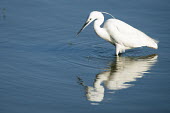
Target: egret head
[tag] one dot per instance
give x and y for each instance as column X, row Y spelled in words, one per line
column 93, row 16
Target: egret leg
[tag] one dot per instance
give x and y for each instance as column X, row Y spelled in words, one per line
column 117, row 49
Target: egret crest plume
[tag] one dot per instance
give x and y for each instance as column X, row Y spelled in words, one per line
column 108, row 14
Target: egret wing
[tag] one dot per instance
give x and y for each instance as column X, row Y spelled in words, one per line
column 128, row 36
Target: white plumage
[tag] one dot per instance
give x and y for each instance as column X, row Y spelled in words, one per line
column 119, row 33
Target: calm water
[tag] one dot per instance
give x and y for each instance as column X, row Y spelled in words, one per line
column 45, row 68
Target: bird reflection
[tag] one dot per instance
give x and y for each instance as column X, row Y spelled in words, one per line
column 123, row 70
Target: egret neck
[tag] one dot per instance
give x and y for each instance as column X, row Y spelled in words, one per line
column 101, row 32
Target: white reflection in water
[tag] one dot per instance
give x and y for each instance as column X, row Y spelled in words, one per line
column 122, row 71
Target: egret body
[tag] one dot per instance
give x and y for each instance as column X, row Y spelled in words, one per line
column 119, row 33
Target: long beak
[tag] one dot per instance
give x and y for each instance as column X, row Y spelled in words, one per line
column 84, row 26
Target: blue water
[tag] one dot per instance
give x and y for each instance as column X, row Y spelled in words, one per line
column 45, row 68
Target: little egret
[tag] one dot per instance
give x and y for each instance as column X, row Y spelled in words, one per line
column 119, row 33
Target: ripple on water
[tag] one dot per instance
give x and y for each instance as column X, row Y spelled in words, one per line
column 87, row 53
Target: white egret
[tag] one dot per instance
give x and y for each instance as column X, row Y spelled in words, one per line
column 119, row 33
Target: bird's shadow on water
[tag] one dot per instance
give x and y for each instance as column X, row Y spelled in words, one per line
column 120, row 75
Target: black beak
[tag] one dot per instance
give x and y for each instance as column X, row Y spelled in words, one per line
column 82, row 27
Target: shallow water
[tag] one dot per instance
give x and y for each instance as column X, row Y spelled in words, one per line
column 46, row 68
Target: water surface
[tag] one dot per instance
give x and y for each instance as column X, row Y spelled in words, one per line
column 45, row 68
